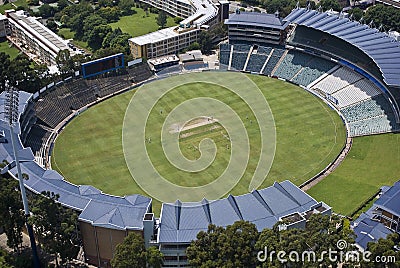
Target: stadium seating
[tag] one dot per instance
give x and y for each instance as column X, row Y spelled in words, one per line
column 380, row 124
column 224, row 54
column 195, row 65
column 273, row 60
column 38, row 135
column 312, row 71
column 360, row 90
column 139, row 73
column 373, row 107
column 339, row 79
column 292, row 63
column 239, row 56
column 257, row 59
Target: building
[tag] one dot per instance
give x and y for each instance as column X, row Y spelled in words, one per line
column 4, row 26
column 393, row 3
column 181, row 222
column 104, row 220
column 34, row 39
column 163, row 42
column 381, row 219
column 198, row 15
column 254, row 27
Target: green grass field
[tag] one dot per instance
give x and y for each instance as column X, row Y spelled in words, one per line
column 66, row 33
column 5, row 47
column 11, row 6
column 309, row 136
column 372, row 162
column 140, row 24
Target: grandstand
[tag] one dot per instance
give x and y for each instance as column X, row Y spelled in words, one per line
column 257, row 58
column 59, row 102
column 346, row 89
column 272, row 61
column 239, row 57
column 344, row 62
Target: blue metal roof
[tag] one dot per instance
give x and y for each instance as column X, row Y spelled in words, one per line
column 96, row 207
column 368, row 230
column 181, row 222
column 361, row 36
column 390, row 200
column 257, row 19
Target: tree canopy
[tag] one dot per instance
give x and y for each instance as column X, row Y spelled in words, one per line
column 132, row 253
column 55, row 227
column 240, row 244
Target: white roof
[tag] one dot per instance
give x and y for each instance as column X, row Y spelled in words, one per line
column 155, row 37
column 205, row 11
column 33, row 28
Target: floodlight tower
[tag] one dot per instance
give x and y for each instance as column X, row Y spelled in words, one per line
column 11, row 111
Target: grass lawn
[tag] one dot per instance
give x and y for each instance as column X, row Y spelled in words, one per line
column 11, row 6
column 140, row 24
column 66, row 33
column 372, row 162
column 309, row 136
column 5, row 47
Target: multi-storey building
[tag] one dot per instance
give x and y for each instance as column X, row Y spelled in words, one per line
column 198, row 15
column 253, row 27
column 381, row 219
column 180, row 222
column 34, row 39
column 4, row 26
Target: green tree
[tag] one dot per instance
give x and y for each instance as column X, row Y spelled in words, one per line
column 330, row 4
column 177, row 20
column 130, row 253
column 230, row 247
column 97, row 35
column 388, row 16
column 46, row 11
column 126, row 7
column 204, row 251
column 64, row 63
column 357, row 13
column 55, row 227
column 52, row 25
column 5, row 60
column 205, row 41
column 110, row 14
column 237, row 249
column 162, row 19
column 23, row 74
column 384, row 247
column 154, row 257
column 12, row 218
column 61, row 4
column 322, row 233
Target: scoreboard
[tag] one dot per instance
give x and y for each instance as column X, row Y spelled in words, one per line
column 102, row 65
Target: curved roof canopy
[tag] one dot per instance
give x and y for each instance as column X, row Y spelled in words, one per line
column 382, row 49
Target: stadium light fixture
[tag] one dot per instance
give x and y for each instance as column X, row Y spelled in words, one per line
column 11, row 114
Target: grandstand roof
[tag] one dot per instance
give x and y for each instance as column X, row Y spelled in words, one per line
column 180, row 222
column 390, row 200
column 382, row 49
column 257, row 19
column 96, row 207
column 368, row 230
